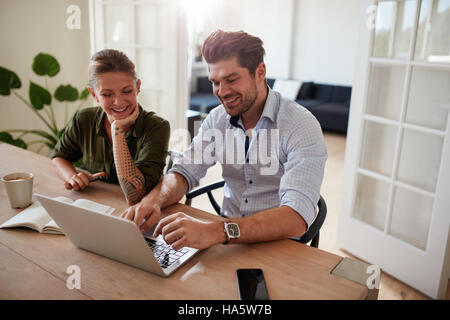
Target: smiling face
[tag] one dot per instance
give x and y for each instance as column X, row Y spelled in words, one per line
column 234, row 86
column 116, row 92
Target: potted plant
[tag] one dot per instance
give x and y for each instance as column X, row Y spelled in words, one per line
column 40, row 101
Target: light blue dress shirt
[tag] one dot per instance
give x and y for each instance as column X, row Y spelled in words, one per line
column 284, row 164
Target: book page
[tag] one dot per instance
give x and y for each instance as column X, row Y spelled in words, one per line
column 63, row 199
column 34, row 217
column 94, row 206
column 52, row 228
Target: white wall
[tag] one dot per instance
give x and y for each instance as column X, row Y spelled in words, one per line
column 304, row 39
column 326, row 40
column 269, row 20
column 28, row 27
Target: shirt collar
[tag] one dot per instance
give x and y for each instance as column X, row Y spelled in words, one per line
column 271, row 106
column 270, row 109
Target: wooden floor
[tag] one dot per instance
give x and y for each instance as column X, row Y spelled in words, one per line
column 390, row 288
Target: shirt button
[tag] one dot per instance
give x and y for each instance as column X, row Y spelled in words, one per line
column 246, row 201
column 250, row 182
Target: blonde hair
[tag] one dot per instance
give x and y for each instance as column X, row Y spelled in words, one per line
column 109, row 60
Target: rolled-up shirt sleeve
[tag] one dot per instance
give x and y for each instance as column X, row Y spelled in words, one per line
column 195, row 162
column 68, row 146
column 303, row 170
column 151, row 158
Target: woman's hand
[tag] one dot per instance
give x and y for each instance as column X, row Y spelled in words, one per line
column 81, row 180
column 125, row 124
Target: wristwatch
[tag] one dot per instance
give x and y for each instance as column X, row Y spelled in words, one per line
column 231, row 230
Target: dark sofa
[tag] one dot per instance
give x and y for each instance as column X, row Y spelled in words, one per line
column 328, row 103
column 204, row 100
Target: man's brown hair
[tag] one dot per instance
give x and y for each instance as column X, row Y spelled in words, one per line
column 224, row 45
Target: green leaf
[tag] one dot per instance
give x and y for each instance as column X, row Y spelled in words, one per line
column 84, row 94
column 45, row 64
column 45, row 135
column 39, row 96
column 8, row 80
column 20, row 143
column 66, row 93
column 6, row 137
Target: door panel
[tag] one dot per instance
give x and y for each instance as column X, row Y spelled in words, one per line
column 395, row 211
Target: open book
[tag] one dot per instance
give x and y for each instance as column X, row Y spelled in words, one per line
column 37, row 218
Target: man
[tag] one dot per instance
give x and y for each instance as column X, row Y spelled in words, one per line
column 262, row 202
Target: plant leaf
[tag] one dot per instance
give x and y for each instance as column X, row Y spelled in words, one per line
column 45, row 135
column 8, row 80
column 45, row 64
column 20, row 143
column 39, row 96
column 50, row 145
column 84, row 94
column 66, row 93
column 6, row 137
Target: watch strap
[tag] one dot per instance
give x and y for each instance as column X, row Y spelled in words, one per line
column 226, row 233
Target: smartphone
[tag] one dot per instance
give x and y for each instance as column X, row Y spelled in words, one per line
column 252, row 285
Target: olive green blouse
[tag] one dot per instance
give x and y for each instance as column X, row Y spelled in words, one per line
column 86, row 138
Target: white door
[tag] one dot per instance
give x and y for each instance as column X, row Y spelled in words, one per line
column 396, row 194
column 153, row 34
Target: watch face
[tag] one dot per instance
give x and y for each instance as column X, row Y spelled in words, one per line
column 233, row 230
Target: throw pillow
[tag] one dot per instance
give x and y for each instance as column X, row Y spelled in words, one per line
column 287, row 88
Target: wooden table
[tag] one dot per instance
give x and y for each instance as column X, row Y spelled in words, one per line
column 33, row 265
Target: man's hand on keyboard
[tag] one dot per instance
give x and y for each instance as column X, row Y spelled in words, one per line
column 181, row 230
column 140, row 211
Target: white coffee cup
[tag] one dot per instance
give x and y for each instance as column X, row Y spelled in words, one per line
column 19, row 188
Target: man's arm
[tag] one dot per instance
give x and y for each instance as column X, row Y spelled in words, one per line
column 169, row 190
column 181, row 230
column 272, row 224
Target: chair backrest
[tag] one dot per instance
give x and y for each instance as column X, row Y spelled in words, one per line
column 313, row 232
column 172, row 156
column 311, row 235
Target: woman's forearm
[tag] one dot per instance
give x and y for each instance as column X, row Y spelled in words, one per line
column 131, row 180
column 64, row 168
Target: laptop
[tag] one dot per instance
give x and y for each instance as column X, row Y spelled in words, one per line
column 116, row 238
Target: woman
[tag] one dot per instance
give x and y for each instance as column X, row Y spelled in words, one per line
column 118, row 141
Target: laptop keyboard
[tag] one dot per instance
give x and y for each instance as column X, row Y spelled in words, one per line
column 164, row 253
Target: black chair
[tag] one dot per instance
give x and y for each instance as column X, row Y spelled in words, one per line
column 312, row 235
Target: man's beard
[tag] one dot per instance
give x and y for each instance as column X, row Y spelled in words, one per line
column 248, row 102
